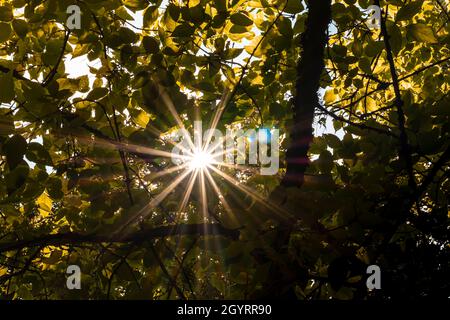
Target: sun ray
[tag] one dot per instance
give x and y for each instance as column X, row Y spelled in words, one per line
column 158, row 133
column 217, row 115
column 224, row 152
column 169, row 104
column 229, row 165
column 200, row 160
column 221, row 197
column 188, row 191
column 283, row 213
column 164, row 172
column 184, row 202
column 203, row 195
column 131, row 148
column 254, row 170
column 145, row 211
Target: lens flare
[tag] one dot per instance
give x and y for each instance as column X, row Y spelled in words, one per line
column 200, row 160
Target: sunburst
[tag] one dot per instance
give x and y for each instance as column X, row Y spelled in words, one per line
column 201, row 162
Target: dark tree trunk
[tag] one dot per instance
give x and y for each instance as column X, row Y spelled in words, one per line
column 309, row 70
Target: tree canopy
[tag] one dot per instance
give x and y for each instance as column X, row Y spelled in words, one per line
column 85, row 171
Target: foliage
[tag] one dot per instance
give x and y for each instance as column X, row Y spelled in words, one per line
column 376, row 190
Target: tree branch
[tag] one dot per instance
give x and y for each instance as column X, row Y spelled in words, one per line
column 53, row 72
column 445, row 157
column 405, row 148
column 309, row 71
column 172, row 281
column 139, row 236
column 356, row 124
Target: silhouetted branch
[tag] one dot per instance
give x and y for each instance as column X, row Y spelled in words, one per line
column 445, row 157
column 53, row 72
column 356, row 124
column 405, row 148
column 139, row 236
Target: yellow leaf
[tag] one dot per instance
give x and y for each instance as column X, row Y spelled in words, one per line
column 45, row 204
column 43, row 213
column 371, row 104
column 251, row 47
column 257, row 80
column 142, row 119
column 329, row 96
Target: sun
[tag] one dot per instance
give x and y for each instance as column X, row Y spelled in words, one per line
column 200, row 160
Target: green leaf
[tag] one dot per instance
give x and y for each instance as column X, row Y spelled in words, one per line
column 54, row 188
column 127, row 35
column 333, row 141
column 123, row 13
column 408, row 11
column 241, row 19
column 217, row 282
column 150, row 16
column 83, row 83
column 33, row 92
column 196, row 14
column 325, row 161
column 232, row 53
column 135, row 4
column 421, row 32
column 16, row 178
column 52, row 52
column 38, row 154
column 183, row 30
column 293, row 6
column 285, row 27
column 151, row 45
column 6, row 13
column 20, row 27
column 97, row 94
column 174, row 11
column 373, row 48
column 219, row 20
column 54, row 258
column 14, row 149
column 6, row 87
column 238, row 29
column 19, row 3
column 205, row 86
column 395, row 35
column 5, row 31
column 6, row 125
column 221, row 5
column 365, row 65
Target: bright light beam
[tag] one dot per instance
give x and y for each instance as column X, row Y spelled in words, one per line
column 283, row 213
column 146, row 210
column 200, row 160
